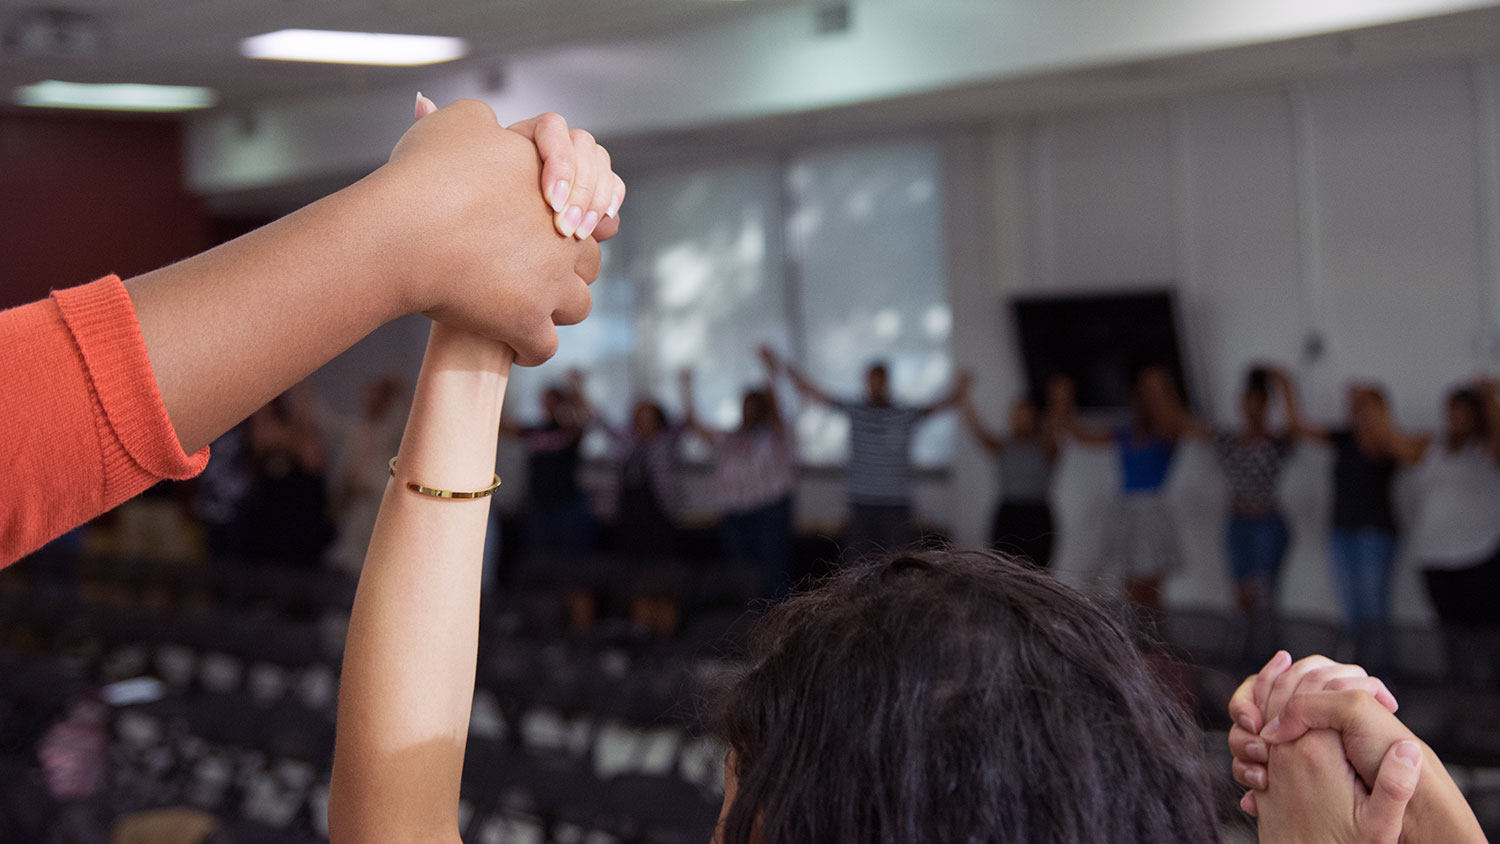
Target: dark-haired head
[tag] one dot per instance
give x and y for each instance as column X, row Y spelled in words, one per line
column 878, row 383
column 1155, row 399
column 1467, row 422
column 648, row 419
column 1255, row 399
column 757, row 408
column 955, row 697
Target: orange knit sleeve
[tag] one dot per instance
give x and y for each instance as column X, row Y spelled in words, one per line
column 82, row 427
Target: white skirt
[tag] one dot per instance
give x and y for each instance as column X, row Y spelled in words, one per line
column 1141, row 540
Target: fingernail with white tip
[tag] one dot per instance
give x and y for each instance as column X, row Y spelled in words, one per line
column 559, row 196
column 568, row 221
column 586, row 228
column 614, row 206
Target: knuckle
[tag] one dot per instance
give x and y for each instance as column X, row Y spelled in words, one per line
column 581, row 136
column 551, row 120
column 473, row 108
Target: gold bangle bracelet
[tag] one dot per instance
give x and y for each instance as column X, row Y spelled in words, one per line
column 448, row 493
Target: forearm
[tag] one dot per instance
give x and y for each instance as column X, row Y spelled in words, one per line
column 1438, row 812
column 231, row 328
column 804, row 386
column 408, row 675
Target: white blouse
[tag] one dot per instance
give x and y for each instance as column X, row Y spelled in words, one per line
column 1458, row 516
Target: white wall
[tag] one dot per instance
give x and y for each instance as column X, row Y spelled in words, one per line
column 1359, row 209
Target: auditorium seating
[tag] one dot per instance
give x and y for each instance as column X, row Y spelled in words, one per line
column 577, row 738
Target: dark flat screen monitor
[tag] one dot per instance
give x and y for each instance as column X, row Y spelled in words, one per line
column 1100, row 341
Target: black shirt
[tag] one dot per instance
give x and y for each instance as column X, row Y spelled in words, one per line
column 1361, row 486
column 552, row 462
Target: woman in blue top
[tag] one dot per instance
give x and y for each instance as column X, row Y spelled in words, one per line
column 1141, row 543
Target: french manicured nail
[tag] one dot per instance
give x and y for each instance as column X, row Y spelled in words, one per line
column 568, row 222
column 1247, row 724
column 1409, row 753
column 1270, row 729
column 1257, row 778
column 1256, row 750
column 614, row 206
column 560, row 190
column 586, row 228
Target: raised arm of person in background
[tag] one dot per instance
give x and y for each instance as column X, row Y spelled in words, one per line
column 408, row 672
column 1062, row 416
column 992, row 441
column 1403, row 447
column 956, row 396
column 691, row 424
column 1279, row 706
column 109, row 388
column 1296, row 424
column 776, row 366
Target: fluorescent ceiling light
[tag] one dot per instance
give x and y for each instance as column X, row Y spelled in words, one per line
column 115, row 97
column 320, row 45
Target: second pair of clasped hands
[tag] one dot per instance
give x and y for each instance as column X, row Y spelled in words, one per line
column 1327, row 761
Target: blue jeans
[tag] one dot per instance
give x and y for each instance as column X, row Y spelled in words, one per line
column 1257, row 545
column 1362, row 563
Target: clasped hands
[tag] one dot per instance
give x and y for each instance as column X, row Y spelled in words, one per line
column 489, row 229
column 1326, row 760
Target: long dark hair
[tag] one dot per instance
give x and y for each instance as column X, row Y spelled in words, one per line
column 944, row 696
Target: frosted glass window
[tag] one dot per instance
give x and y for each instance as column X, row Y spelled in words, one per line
column 707, row 255
column 866, row 227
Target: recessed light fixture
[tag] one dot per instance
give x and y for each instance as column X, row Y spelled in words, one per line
column 115, row 96
column 383, row 48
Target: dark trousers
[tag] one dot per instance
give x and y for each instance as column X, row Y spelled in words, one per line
column 761, row 537
column 1023, row 529
column 1467, row 597
column 877, row 527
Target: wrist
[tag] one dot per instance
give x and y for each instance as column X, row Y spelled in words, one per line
column 400, row 270
column 1438, row 812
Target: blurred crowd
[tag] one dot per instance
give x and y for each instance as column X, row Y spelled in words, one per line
column 276, row 492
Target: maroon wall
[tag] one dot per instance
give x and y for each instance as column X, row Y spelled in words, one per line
column 84, row 196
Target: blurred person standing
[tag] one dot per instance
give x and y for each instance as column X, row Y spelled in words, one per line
column 754, row 473
column 363, row 474
column 1252, row 460
column 1022, row 525
column 1368, row 451
column 1142, row 544
column 220, row 493
column 1456, row 536
column 648, row 502
column 286, row 515
column 879, row 473
column 557, row 509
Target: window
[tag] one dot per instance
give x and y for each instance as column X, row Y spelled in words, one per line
column 866, row 229
column 699, row 280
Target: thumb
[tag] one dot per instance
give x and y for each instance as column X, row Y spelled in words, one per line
column 1381, row 816
column 424, row 106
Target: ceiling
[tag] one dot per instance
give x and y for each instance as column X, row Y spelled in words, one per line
column 195, row 42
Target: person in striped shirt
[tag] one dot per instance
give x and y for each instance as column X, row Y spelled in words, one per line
column 879, row 476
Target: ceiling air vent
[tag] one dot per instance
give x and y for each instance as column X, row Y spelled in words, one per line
column 51, row 33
